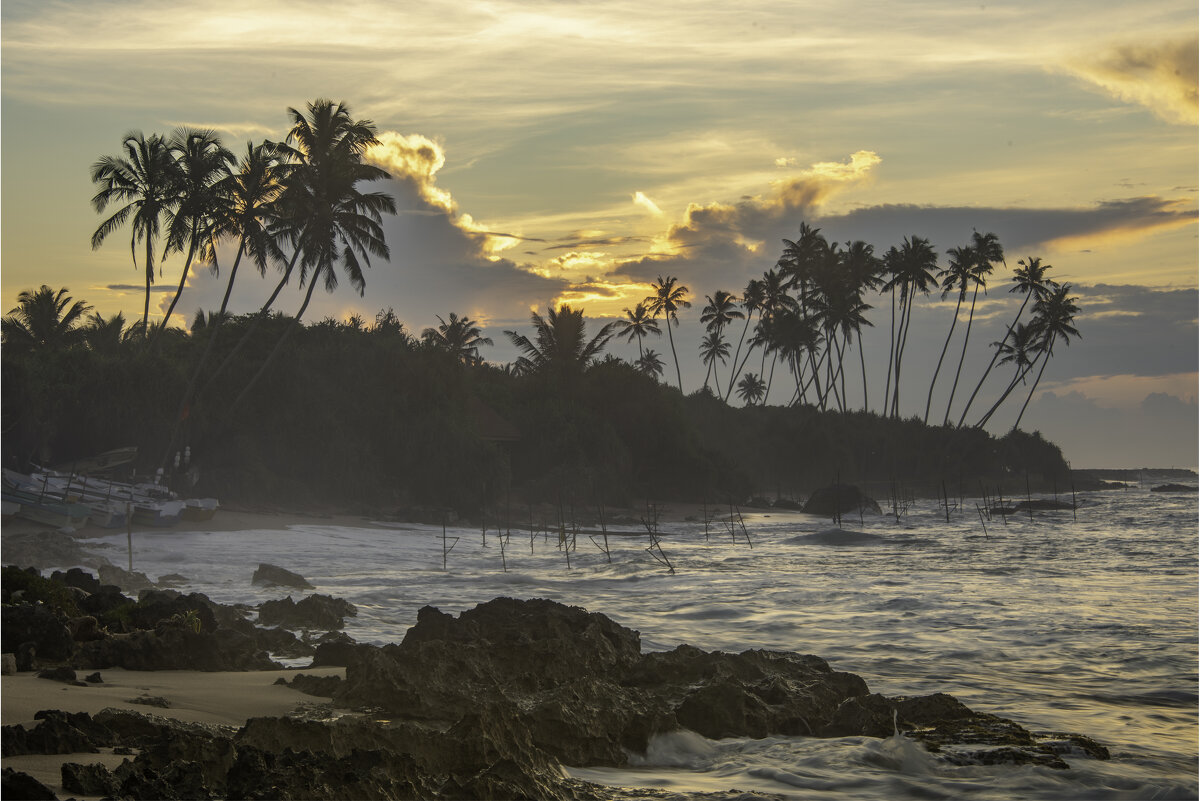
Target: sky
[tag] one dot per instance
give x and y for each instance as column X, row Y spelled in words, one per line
column 551, row 152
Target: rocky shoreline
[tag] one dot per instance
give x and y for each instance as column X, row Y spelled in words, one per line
column 489, row 704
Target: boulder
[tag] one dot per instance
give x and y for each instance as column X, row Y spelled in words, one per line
column 24, row 624
column 335, row 649
column 128, row 581
column 1173, row 488
column 271, row 575
column 17, row 784
column 75, row 577
column 94, row 779
column 174, row 645
column 322, row 612
column 839, row 499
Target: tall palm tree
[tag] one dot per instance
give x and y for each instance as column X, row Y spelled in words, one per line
column 911, row 269
column 1054, row 316
column 752, row 299
column 201, row 165
column 142, row 185
column 751, row 389
column 987, row 250
column 460, row 336
column 637, row 324
column 668, row 298
column 1019, row 348
column 719, row 312
column 955, row 275
column 861, row 269
column 561, row 345
column 712, row 348
column 43, row 320
column 1030, row 278
column 650, row 364
column 337, row 223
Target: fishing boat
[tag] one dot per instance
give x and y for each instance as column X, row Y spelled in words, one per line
column 59, row 514
column 199, row 508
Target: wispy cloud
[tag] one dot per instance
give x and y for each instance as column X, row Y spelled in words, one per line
column 1160, row 76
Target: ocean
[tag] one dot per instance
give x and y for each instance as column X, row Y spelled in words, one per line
column 1083, row 623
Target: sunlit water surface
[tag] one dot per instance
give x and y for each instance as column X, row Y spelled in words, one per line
column 1084, row 625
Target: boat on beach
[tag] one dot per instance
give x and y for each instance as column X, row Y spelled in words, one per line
column 64, row 499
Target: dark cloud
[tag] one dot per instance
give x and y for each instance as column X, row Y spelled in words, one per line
column 142, row 287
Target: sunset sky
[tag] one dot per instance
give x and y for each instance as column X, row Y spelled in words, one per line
column 546, row 152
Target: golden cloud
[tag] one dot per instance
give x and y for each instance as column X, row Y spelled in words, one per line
column 647, row 204
column 415, row 158
column 1161, row 77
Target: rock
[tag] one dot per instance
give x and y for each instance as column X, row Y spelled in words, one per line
column 94, row 779
column 281, row 643
column 43, row 549
column 335, row 649
column 85, row 629
column 128, row 581
column 58, row 674
column 323, row 686
column 314, row 612
column 75, row 577
column 272, row 575
column 16, row 784
column 104, row 601
column 93, row 678
column 156, row 606
column 150, row 700
column 839, row 498
column 175, row 646
column 58, row 733
column 24, row 623
column 172, row 580
column 8, row 664
column 1173, row 488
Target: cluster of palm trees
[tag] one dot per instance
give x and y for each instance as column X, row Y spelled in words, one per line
column 294, row 203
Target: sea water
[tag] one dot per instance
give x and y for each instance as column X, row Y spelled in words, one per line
column 1080, row 622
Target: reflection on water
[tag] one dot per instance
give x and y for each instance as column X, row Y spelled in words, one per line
column 1086, row 626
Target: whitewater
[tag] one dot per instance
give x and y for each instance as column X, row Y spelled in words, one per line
column 1079, row 622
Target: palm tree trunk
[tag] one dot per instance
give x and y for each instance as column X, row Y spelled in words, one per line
column 670, row 336
column 962, row 357
column 887, row 390
column 901, row 339
column 1017, row 378
column 734, row 374
column 862, row 360
column 1029, row 397
column 187, row 265
column 312, row 284
column 992, row 363
column 945, row 347
column 258, row 318
column 149, row 281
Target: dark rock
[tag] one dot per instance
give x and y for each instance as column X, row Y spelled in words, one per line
column 335, row 649
column 281, row 643
column 85, row 629
column 26, row 656
column 104, row 600
column 75, row 577
column 314, row 612
column 323, row 686
column 16, row 784
column 57, row 733
column 36, row 624
column 94, row 779
column 839, row 499
column 93, row 678
column 1173, row 488
column 128, row 581
column 150, row 700
column 58, row 674
column 272, row 575
column 155, row 606
column 172, row 580
column 44, row 549
column 174, row 645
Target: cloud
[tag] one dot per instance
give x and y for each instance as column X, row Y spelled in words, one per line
column 647, row 204
column 1162, row 77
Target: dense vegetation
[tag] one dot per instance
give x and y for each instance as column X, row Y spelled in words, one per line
column 265, row 407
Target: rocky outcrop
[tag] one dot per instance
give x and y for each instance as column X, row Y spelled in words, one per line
column 839, row 499
column 1173, row 488
column 174, row 645
column 322, row 612
column 16, row 784
column 271, row 575
column 38, row 626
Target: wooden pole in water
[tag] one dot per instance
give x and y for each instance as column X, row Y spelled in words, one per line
column 946, row 497
column 129, row 532
column 1028, row 497
column 705, row 502
column 1074, row 506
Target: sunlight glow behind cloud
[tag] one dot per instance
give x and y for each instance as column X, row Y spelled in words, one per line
column 1162, row 77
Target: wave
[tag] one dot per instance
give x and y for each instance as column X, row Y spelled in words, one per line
column 836, row 536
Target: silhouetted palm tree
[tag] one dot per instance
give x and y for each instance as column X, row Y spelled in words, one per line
column 1031, row 280
column 1054, row 316
column 561, row 344
column 337, row 223
column 911, row 269
column 987, row 250
column 650, row 364
column 1019, row 348
column 105, row 336
column 712, row 349
column 956, row 275
column 752, row 299
column 751, row 389
column 142, row 184
column 668, row 298
column 719, row 312
column 201, row 165
column 637, row 324
column 44, row 320
column 460, row 336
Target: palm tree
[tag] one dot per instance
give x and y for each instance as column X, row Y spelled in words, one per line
column 561, row 343
column 650, row 364
column 1031, row 280
column 201, row 165
column 721, row 310
column 335, row 221
column 1053, row 317
column 987, row 250
column 667, row 300
column 105, row 335
column 43, row 320
column 712, row 348
column 752, row 299
column 461, row 337
column 751, row 389
column 956, row 275
column 1019, row 347
column 637, row 324
column 911, row 269
column 142, row 185
column 861, row 269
